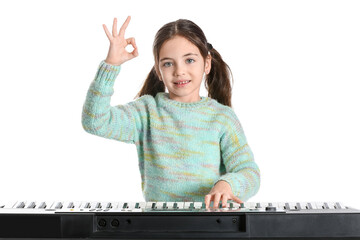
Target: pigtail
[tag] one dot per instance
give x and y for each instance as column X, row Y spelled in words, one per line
column 152, row 85
column 217, row 82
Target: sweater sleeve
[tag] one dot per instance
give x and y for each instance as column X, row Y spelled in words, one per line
column 242, row 173
column 101, row 119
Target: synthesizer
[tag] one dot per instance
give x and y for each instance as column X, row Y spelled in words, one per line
column 178, row 220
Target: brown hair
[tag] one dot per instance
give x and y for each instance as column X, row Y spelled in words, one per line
column 217, row 82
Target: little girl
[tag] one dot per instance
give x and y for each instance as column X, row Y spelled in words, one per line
column 190, row 148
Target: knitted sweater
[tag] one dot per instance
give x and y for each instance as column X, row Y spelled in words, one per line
column 183, row 148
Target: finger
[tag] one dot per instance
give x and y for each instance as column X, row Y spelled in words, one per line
column 224, row 201
column 217, row 200
column 207, row 201
column 124, row 26
column 236, row 199
column 135, row 52
column 114, row 29
column 132, row 42
column 107, row 32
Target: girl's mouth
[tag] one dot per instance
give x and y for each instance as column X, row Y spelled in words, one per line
column 182, row 84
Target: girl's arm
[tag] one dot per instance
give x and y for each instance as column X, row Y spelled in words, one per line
column 98, row 116
column 101, row 119
column 242, row 178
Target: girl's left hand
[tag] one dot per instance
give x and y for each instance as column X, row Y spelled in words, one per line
column 221, row 191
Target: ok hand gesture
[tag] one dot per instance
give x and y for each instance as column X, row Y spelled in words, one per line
column 117, row 54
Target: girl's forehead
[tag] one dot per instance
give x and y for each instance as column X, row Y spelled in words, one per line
column 178, row 45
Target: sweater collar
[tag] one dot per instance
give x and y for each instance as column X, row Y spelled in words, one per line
column 164, row 99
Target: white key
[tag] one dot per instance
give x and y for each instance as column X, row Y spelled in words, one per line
column 281, row 206
column 340, row 205
column 170, row 205
column 303, row 205
column 77, row 205
column 263, row 205
column 29, row 204
column 292, row 206
column 236, row 205
column 180, row 205
column 5, row 205
column 250, row 205
column 95, row 205
column 159, row 205
column 57, row 205
column 66, row 204
column 115, row 205
column 313, row 205
column 39, row 204
column 319, row 205
column 331, row 205
column 197, row 205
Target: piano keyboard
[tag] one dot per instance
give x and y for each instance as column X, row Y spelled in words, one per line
column 178, row 220
column 68, row 206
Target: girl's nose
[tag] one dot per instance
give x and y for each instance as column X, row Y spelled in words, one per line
column 179, row 70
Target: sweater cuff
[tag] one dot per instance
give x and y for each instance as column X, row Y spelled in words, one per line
column 106, row 75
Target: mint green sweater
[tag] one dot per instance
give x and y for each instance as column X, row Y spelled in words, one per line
column 183, row 148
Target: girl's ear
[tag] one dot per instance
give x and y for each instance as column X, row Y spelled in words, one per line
column 208, row 64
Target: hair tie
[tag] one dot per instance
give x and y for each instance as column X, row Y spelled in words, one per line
column 209, row 46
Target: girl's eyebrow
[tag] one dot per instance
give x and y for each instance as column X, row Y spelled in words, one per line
column 188, row 54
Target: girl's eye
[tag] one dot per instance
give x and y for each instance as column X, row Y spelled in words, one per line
column 190, row 59
column 167, row 64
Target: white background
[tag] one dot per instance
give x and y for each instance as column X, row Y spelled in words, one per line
column 296, row 93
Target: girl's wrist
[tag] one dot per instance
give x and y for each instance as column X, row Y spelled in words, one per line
column 112, row 63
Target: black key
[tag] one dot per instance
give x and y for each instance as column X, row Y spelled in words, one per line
column 287, row 206
column 31, row 205
column 42, row 205
column 310, row 206
column 58, row 205
column 21, row 205
column 192, row 206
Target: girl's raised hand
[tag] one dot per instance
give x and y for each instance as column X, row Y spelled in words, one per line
column 117, row 54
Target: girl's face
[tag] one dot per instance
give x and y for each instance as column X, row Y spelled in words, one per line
column 181, row 61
